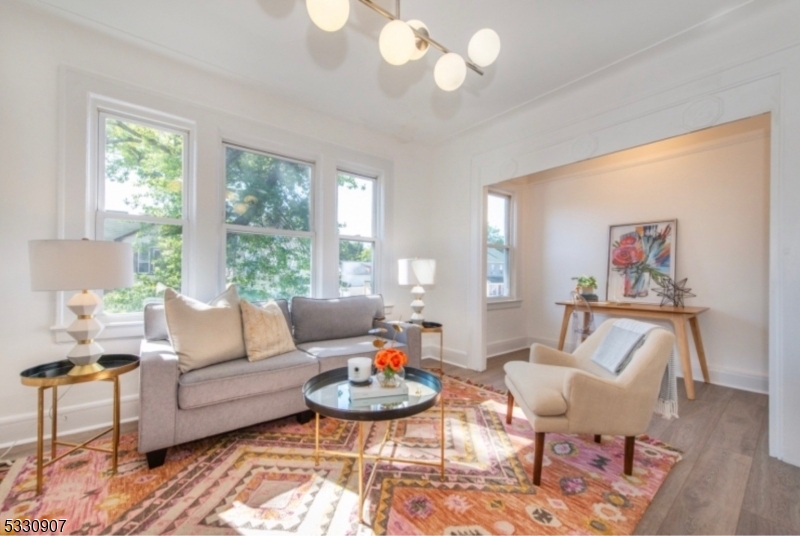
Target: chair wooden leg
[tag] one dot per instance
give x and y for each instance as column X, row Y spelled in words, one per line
column 630, row 441
column 598, row 438
column 510, row 408
column 537, row 459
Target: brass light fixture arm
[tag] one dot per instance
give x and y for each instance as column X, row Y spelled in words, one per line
column 378, row 9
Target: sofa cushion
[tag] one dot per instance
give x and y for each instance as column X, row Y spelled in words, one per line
column 539, row 385
column 265, row 331
column 335, row 353
column 241, row 378
column 204, row 334
column 339, row 318
column 155, row 321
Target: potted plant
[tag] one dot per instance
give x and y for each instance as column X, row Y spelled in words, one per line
column 586, row 284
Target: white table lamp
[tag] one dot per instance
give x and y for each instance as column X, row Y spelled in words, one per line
column 416, row 272
column 81, row 265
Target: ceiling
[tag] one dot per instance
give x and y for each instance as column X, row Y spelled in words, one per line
column 546, row 44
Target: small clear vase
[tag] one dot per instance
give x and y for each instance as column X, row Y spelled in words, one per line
column 390, row 378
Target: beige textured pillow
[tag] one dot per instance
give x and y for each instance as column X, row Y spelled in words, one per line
column 265, row 331
column 204, row 334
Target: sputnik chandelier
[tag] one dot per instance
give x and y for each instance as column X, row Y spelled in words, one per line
column 401, row 41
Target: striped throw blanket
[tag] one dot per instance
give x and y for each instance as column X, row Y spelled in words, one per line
column 617, row 349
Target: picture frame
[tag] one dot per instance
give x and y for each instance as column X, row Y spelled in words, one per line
column 639, row 254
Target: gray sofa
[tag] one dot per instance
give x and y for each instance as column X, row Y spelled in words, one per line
column 176, row 408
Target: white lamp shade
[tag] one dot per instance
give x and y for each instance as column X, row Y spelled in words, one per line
column 397, row 42
column 405, row 275
column 424, row 270
column 450, row 71
column 80, row 264
column 420, row 46
column 416, row 272
column 484, row 47
column 328, row 15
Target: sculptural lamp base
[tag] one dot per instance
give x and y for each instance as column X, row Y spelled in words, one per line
column 84, row 329
column 417, row 305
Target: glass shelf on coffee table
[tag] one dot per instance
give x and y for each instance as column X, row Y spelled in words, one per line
column 328, row 394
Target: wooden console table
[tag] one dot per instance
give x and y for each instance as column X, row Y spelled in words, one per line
column 677, row 315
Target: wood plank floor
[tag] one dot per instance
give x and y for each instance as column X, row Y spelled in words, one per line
column 726, row 482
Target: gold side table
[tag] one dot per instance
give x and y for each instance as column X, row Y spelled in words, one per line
column 435, row 327
column 50, row 376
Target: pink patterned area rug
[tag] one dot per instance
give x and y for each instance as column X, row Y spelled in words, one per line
column 263, row 479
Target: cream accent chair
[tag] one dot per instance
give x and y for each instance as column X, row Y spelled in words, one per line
column 568, row 393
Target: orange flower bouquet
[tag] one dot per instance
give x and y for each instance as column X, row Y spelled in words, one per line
column 389, row 361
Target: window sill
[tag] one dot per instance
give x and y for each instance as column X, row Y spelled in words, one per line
column 133, row 329
column 496, row 305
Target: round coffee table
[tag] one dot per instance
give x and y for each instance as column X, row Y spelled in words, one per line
column 328, row 394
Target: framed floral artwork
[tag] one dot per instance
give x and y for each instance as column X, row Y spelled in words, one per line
column 639, row 256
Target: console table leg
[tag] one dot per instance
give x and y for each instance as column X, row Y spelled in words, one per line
column 316, row 440
column 698, row 344
column 564, row 325
column 683, row 349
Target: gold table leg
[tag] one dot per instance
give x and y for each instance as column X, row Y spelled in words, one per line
column 115, row 438
column 40, row 442
column 316, row 441
column 361, row 472
column 441, row 433
column 54, row 425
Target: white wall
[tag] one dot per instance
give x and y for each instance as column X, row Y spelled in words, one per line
column 716, row 183
column 743, row 65
column 36, row 50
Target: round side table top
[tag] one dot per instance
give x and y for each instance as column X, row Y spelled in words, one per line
column 56, row 373
column 329, row 394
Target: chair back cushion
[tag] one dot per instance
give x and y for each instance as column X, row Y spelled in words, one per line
column 338, row 318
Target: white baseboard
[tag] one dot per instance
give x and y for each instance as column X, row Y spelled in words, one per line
column 450, row 356
column 737, row 379
column 20, row 429
column 725, row 376
column 508, row 345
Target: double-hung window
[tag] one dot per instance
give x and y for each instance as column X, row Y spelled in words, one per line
column 268, row 223
column 499, row 245
column 141, row 200
column 358, row 241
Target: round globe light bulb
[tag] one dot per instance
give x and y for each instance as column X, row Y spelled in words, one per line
column 450, row 71
column 420, row 46
column 397, row 42
column 328, row 15
column 484, row 47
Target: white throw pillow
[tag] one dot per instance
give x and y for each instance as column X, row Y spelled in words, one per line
column 265, row 331
column 204, row 334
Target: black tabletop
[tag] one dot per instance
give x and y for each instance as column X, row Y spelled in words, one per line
column 59, row 369
column 328, row 394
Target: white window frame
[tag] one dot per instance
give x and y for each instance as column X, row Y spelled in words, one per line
column 271, row 231
column 152, row 120
column 501, row 302
column 375, row 240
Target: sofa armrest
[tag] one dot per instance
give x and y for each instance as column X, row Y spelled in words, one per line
column 158, row 395
column 411, row 336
